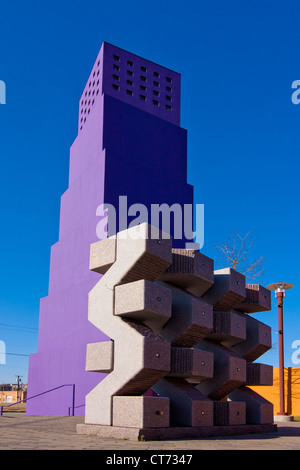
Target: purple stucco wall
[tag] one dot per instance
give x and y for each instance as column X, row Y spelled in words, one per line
column 125, row 146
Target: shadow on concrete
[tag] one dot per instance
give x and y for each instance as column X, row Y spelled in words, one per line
column 282, row 430
column 289, row 431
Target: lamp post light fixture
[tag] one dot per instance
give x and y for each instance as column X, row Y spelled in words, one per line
column 280, row 288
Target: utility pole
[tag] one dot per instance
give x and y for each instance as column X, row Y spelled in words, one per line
column 19, row 388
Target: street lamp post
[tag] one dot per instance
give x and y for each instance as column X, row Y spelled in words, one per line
column 280, row 288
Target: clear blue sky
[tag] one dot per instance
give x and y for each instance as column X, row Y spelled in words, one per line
column 237, row 60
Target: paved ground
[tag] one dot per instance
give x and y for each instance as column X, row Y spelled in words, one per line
column 18, row 431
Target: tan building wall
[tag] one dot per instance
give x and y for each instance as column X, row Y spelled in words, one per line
column 291, row 390
column 11, row 396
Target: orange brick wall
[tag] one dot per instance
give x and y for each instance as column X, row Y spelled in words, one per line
column 291, row 390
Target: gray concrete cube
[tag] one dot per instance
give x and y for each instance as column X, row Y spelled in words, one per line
column 144, row 301
column 99, row 357
column 103, row 254
column 228, row 290
column 258, row 409
column 229, row 371
column 155, row 254
column 141, row 412
column 153, row 363
column 229, row 413
column 258, row 340
column 188, row 407
column 258, row 299
column 190, row 270
column 191, row 320
column 259, row 374
column 229, row 328
column 191, row 364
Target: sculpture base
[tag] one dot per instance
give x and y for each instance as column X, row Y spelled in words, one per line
column 283, row 418
column 160, row 434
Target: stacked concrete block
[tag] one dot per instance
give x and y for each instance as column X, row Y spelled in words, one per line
column 144, row 301
column 258, row 340
column 227, row 291
column 190, row 270
column 100, row 357
column 228, row 328
column 177, row 328
column 186, row 329
column 229, row 413
column 229, row 371
column 258, row 409
column 103, row 255
column 258, row 299
column 188, row 406
column 141, row 412
column 259, row 374
column 191, row 364
column 141, row 357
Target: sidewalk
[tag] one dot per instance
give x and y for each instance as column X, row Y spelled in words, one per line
column 21, row 432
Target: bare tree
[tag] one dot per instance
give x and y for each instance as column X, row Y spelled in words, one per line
column 235, row 253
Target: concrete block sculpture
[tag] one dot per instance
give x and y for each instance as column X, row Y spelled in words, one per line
column 181, row 357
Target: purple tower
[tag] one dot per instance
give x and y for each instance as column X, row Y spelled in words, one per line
column 129, row 143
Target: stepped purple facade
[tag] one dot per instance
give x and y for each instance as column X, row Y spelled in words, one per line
column 129, row 143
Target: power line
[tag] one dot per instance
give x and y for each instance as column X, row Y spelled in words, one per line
column 16, row 354
column 19, row 326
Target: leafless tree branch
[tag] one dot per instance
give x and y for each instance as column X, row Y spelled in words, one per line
column 235, row 253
